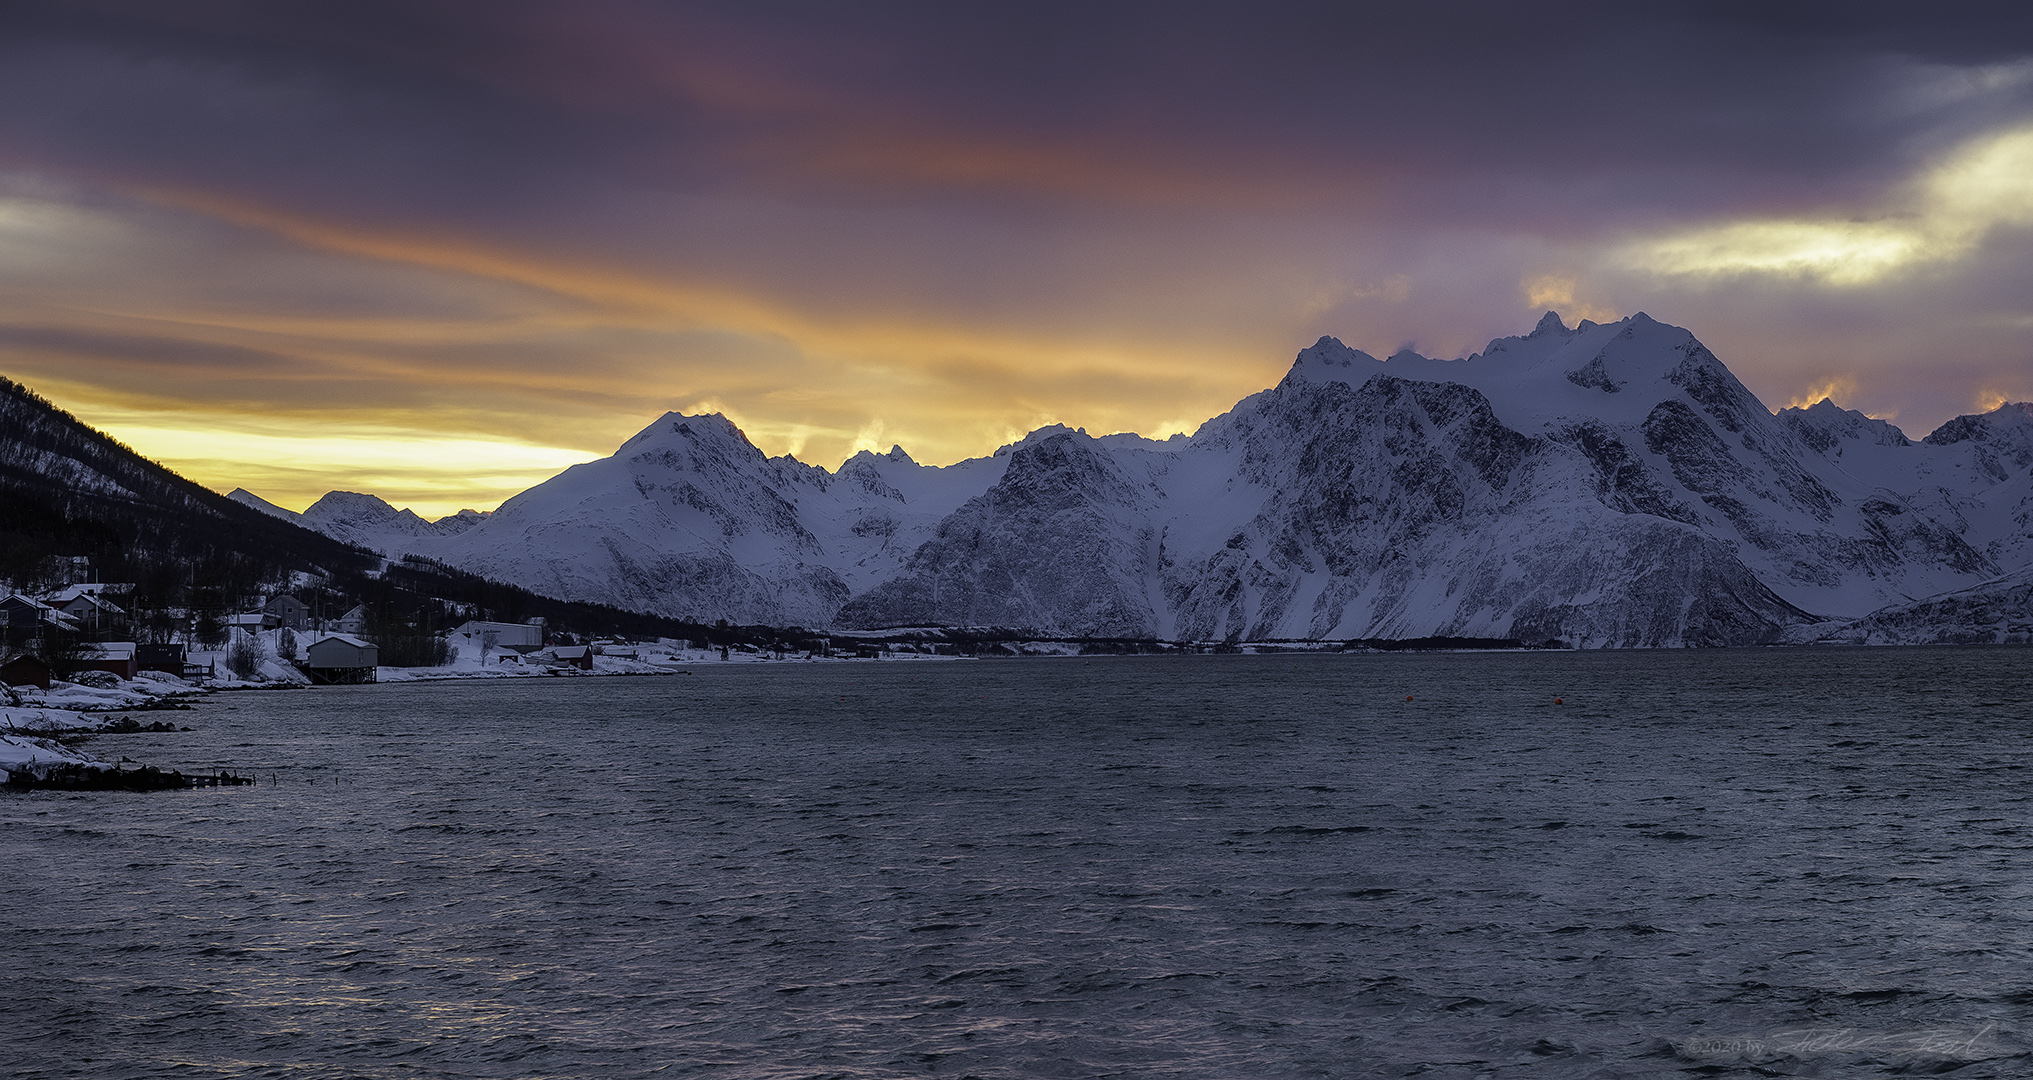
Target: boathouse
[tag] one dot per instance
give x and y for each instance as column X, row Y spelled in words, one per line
column 165, row 657
column 116, row 657
column 341, row 658
column 578, row 656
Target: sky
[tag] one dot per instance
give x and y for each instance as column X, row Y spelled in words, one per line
column 438, row 251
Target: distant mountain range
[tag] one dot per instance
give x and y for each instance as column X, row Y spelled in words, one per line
column 1603, row 486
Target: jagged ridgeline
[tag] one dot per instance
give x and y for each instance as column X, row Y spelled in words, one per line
column 1599, row 485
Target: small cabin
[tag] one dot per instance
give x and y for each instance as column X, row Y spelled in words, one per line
column 341, row 658
column 26, row 670
column 578, row 656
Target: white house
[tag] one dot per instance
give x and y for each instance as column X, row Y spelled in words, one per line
column 92, row 610
column 353, row 622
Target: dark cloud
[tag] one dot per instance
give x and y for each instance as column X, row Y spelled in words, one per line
column 479, row 107
column 173, row 356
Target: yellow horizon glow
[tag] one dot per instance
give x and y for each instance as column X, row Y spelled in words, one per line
column 432, row 476
column 411, row 416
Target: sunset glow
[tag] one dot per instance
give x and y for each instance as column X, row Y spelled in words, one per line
column 312, row 252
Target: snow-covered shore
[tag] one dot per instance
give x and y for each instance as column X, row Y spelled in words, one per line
column 28, row 739
column 34, row 753
column 32, row 728
column 637, row 660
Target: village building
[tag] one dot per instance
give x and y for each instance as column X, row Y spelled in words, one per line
column 341, row 658
column 164, row 658
column 91, row 606
column 27, row 618
column 578, row 656
column 478, row 636
column 353, row 622
column 117, row 657
column 290, row 612
column 26, row 670
column 252, row 622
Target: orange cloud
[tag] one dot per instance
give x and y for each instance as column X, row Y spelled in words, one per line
column 1839, row 389
column 564, row 358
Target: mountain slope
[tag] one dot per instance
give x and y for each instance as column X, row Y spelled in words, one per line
column 1996, row 612
column 68, row 490
column 1605, row 485
column 70, row 493
column 1973, row 475
column 688, row 518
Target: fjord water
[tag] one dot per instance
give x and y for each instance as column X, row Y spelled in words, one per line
column 1726, row 863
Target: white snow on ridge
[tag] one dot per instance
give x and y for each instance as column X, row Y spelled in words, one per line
column 1606, row 484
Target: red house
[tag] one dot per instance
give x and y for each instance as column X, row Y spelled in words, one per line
column 117, row 657
column 26, row 670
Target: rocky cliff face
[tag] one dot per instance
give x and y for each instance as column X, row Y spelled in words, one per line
column 1603, row 485
column 1403, row 508
column 1062, row 544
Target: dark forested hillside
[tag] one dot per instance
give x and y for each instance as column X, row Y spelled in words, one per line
column 69, row 491
column 75, row 504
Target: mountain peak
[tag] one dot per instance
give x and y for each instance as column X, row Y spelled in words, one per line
column 1825, row 425
column 1549, row 323
column 711, row 427
column 1329, row 360
column 896, row 455
column 2012, row 412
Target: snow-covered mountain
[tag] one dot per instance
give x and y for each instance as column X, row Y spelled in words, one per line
column 1605, row 485
column 365, row 520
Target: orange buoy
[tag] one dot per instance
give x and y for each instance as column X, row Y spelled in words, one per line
column 1556, row 701
column 1408, row 697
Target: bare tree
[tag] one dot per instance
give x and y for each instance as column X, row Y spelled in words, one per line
column 246, row 654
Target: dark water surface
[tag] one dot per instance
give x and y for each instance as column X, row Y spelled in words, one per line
column 1727, row 863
